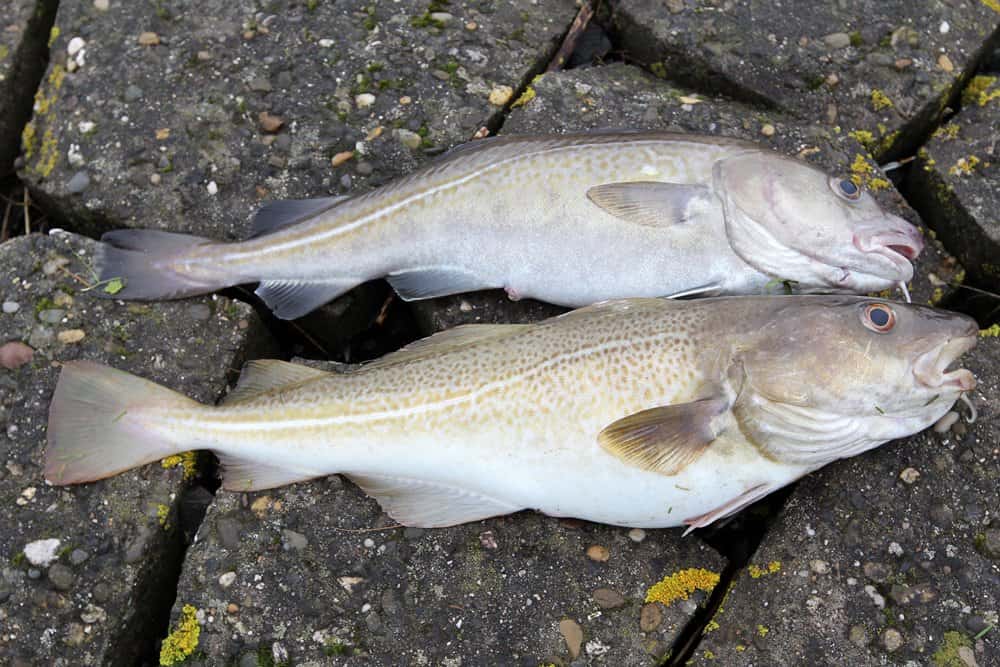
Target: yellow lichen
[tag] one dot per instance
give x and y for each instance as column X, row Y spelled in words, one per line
column 740, row 648
column 48, row 154
column 936, row 296
column 758, row 572
column 28, row 140
column 965, row 166
column 182, row 642
column 992, row 4
column 187, row 459
column 978, row 91
column 880, row 100
column 526, row 96
column 53, row 35
column 162, row 514
column 990, row 332
column 708, row 655
column 863, row 175
column 712, row 626
column 863, row 137
column 949, row 131
column 762, row 630
column 680, row 585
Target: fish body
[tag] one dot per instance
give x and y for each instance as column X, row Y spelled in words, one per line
column 571, row 219
column 640, row 412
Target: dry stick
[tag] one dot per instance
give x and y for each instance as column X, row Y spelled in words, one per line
column 27, row 215
column 569, row 43
column 6, row 221
column 366, row 530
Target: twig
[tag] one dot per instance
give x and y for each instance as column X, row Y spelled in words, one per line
column 383, row 311
column 27, row 214
column 569, row 43
column 6, row 221
column 367, row 530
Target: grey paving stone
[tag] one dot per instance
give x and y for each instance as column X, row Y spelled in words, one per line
column 23, row 37
column 886, row 558
column 115, row 539
column 887, row 68
column 955, row 181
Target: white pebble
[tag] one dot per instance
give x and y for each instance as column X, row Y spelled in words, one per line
column 213, row 188
column 11, row 307
column 41, row 553
column 227, row 579
column 75, row 45
column 369, row 543
column 364, row 100
column 102, row 5
column 86, row 126
column 326, row 43
column 637, row 534
column 945, row 27
column 895, row 549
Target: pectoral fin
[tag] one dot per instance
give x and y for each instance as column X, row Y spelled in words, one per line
column 649, row 203
column 665, row 439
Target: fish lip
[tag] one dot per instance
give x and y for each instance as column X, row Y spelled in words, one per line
column 899, row 248
column 931, row 368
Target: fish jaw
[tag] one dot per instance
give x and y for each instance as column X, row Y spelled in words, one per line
column 931, row 368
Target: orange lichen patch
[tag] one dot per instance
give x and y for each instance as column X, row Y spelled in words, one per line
column 756, row 572
column 680, row 585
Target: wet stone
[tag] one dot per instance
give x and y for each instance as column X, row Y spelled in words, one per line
column 956, row 180
column 157, row 107
column 69, row 547
column 24, row 28
column 619, row 95
column 390, row 596
column 899, row 584
column 832, row 61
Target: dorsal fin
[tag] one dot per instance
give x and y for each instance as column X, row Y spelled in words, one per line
column 263, row 375
column 446, row 341
column 275, row 215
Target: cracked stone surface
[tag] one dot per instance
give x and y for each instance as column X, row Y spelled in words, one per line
column 619, row 95
column 22, row 53
column 955, row 180
column 184, row 116
column 892, row 557
column 881, row 67
column 91, row 603
column 298, row 571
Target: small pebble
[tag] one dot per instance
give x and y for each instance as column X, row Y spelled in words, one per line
column 650, row 617
column 598, row 553
column 102, row 5
column 607, row 598
column 573, row 635
column 837, row 40
column 369, row 543
column 149, row 39
column 270, row 124
column 409, row 139
column 78, row 556
column 500, row 95
column 226, row 579
column 767, row 130
column 944, row 62
column 61, row 577
column 41, row 553
column 909, row 475
column 819, row 566
column 325, row 43
column 944, row 27
column 79, row 182
column 365, row 168
column 637, row 534
column 858, row 636
column 213, row 188
column 51, row 315
column 75, row 45
column 341, row 158
column 232, row 608
column 10, row 307
column 364, row 100
column 70, row 336
column 405, row 99
column 441, row 17
column 892, row 639
column 15, row 354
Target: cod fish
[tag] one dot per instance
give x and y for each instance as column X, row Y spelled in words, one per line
column 571, row 220
column 642, row 412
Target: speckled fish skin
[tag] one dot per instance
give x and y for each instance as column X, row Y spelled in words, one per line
column 491, row 419
column 554, row 218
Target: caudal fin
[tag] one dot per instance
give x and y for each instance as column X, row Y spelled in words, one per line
column 102, row 422
column 140, row 263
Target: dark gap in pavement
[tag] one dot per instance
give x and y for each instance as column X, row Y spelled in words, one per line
column 737, row 539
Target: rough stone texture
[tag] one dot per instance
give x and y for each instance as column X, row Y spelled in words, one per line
column 117, row 537
column 894, row 541
column 956, row 179
column 883, row 67
column 22, row 57
column 487, row 593
column 170, row 133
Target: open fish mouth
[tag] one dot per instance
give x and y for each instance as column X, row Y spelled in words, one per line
column 932, row 368
column 900, row 246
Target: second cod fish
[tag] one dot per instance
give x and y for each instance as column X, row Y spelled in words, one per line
column 643, row 412
column 571, row 220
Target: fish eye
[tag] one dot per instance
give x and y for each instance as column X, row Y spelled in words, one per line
column 879, row 318
column 846, row 188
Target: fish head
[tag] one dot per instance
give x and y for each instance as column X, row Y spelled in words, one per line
column 852, row 357
column 795, row 222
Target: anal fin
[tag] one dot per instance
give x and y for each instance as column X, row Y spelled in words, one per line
column 748, row 497
column 434, row 281
column 289, row 299
column 424, row 504
column 240, row 474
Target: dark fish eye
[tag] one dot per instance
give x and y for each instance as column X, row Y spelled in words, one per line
column 879, row 318
column 849, row 188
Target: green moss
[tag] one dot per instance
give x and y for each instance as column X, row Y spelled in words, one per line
column 880, row 100
column 375, row 67
column 856, row 40
column 333, row 647
column 947, row 653
column 183, row 640
column 4, row 51
column 311, row 5
column 370, row 21
column 659, row 69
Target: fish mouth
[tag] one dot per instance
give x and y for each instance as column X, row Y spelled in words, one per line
column 900, row 246
column 932, row 368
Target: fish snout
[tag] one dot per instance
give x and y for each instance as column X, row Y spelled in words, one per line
column 899, row 242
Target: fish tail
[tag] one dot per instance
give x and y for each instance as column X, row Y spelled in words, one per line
column 143, row 264
column 102, row 421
